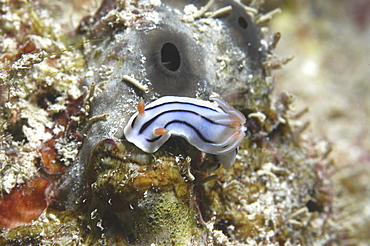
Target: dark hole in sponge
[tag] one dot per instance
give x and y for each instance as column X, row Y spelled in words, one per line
column 243, row 23
column 170, row 57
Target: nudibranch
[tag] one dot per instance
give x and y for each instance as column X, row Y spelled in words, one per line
column 214, row 129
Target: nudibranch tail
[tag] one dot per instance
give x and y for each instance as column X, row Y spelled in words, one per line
column 227, row 160
column 214, row 129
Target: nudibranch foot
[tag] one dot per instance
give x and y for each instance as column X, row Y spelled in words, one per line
column 228, row 159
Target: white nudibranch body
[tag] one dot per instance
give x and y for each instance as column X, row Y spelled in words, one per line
column 214, row 129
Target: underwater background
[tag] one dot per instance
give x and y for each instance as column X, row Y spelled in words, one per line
column 72, row 74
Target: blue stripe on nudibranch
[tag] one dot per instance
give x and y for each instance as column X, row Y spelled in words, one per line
column 215, row 129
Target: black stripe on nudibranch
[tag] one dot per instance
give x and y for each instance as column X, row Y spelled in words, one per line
column 153, row 139
column 133, row 122
column 174, row 102
column 149, row 122
column 184, row 103
column 200, row 135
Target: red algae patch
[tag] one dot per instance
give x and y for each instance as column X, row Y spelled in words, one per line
column 51, row 163
column 24, row 203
